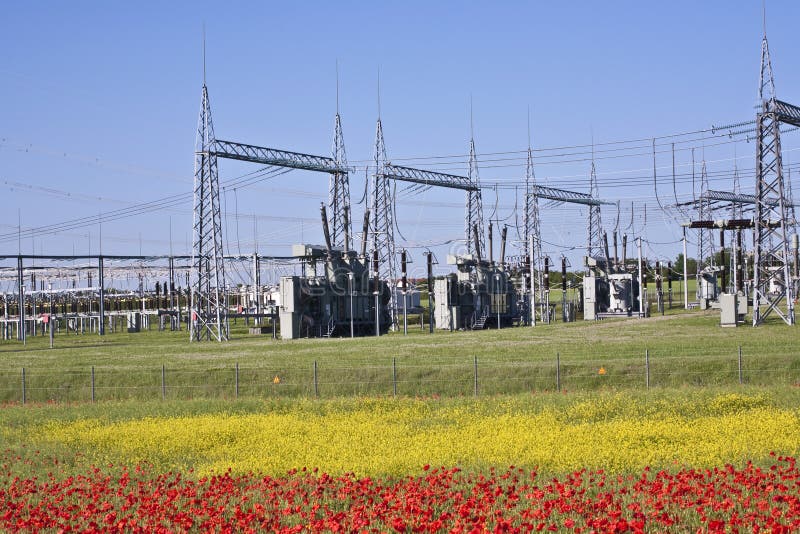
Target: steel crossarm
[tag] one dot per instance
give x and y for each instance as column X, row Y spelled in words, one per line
column 275, row 157
column 430, row 178
column 562, row 195
column 725, row 196
column 785, row 112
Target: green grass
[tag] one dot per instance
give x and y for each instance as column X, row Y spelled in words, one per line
column 684, row 349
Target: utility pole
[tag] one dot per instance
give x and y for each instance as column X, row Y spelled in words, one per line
column 641, row 281
column 102, row 291
column 533, row 283
column 685, row 274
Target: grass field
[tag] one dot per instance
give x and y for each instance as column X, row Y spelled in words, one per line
column 329, row 405
column 682, row 349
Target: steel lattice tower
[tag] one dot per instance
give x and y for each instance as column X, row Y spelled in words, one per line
column 736, row 207
column 705, row 236
column 339, row 191
column 474, row 211
column 383, row 220
column 595, row 225
column 209, row 318
column 531, row 222
column 772, row 283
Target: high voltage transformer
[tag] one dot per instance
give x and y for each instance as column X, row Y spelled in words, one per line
column 614, row 287
column 480, row 294
column 335, row 296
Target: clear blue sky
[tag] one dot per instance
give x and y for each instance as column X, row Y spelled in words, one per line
column 99, row 104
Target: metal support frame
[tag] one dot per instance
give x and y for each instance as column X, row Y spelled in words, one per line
column 533, row 193
column 21, row 301
column 270, row 156
column 339, row 191
column 594, row 231
column 705, row 237
column 428, row 178
column 473, row 218
column 562, row 195
column 382, row 224
column 771, row 269
column 209, row 318
column 257, row 288
column 102, row 295
column 532, row 230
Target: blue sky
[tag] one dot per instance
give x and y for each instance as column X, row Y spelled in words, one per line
column 99, row 104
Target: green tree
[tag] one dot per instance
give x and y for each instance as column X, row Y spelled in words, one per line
column 691, row 265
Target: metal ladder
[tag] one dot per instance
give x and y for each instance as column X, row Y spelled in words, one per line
column 331, row 328
column 480, row 322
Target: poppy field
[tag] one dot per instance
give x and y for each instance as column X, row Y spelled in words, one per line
column 674, row 460
column 726, row 499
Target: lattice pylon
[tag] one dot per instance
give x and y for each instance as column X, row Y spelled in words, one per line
column 383, row 220
column 736, row 207
column 339, row 192
column 705, row 236
column 474, row 206
column 772, row 283
column 736, row 212
column 209, row 317
column 531, row 220
column 595, row 224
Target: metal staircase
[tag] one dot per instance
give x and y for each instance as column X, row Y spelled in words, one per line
column 480, row 322
column 331, row 328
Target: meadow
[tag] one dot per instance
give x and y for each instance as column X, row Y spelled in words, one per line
column 674, row 350
column 618, row 425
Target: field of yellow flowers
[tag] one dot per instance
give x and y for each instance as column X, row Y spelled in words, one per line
column 556, row 433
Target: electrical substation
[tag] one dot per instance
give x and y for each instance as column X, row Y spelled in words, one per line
column 359, row 285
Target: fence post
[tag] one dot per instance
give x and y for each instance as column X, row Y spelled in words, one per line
column 316, row 383
column 740, row 364
column 163, row 382
column 394, row 376
column 237, row 380
column 476, row 376
column 93, row 383
column 647, row 367
column 23, row 385
column 558, row 371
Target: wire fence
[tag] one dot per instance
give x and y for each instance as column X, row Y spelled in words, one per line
column 397, row 376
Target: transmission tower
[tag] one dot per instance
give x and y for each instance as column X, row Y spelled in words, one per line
column 209, row 318
column 772, row 283
column 736, row 207
column 339, row 190
column 383, row 219
column 705, row 236
column 532, row 228
column 594, row 230
column 474, row 212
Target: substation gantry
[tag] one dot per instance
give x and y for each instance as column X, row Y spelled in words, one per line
column 540, row 265
column 772, row 283
column 208, row 308
column 382, row 200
